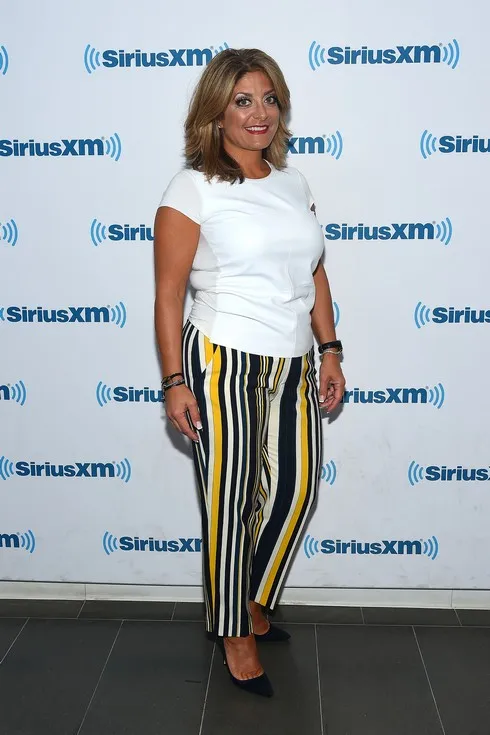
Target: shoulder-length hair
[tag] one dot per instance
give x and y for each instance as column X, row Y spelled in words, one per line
column 203, row 145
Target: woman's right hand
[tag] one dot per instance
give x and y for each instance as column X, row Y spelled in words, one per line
column 180, row 403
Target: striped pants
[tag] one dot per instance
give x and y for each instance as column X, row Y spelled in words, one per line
column 257, row 464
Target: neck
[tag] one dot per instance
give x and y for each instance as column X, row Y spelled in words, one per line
column 251, row 162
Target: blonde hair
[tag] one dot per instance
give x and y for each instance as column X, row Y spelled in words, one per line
column 203, row 145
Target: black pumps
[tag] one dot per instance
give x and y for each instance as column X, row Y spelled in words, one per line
column 273, row 635
column 259, row 685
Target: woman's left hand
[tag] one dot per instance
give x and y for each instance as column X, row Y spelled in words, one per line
column 332, row 382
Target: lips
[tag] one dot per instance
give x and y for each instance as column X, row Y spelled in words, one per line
column 257, row 129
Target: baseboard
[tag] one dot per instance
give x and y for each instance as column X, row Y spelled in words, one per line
column 471, row 599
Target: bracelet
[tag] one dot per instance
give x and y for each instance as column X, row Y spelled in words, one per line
column 169, row 377
column 165, row 388
column 334, row 347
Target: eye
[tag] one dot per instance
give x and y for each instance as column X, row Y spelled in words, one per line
column 271, row 99
column 242, row 101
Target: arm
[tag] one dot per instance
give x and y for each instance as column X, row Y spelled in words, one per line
column 322, row 318
column 176, row 239
column 332, row 381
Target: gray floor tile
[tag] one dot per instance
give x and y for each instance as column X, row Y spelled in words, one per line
column 317, row 614
column 409, row 616
column 458, row 665
column 9, row 629
column 127, row 610
column 373, row 682
column 40, row 608
column 189, row 611
column 48, row 678
column 154, row 682
column 294, row 708
column 474, row 617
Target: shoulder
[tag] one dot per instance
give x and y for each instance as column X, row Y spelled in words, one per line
column 295, row 173
column 301, row 184
column 185, row 177
column 182, row 193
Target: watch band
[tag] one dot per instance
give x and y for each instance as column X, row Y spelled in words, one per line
column 330, row 346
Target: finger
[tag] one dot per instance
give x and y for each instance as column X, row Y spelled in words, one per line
column 323, row 390
column 185, row 427
column 336, row 396
column 194, row 416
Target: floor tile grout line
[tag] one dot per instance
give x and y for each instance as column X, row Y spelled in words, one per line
column 207, row 690
column 99, row 679
column 13, row 642
column 319, row 682
column 286, row 622
column 428, row 680
column 459, row 619
column 83, row 605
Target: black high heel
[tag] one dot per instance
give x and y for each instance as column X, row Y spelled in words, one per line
column 259, row 685
column 273, row 635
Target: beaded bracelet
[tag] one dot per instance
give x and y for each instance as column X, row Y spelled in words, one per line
column 165, row 388
column 169, row 377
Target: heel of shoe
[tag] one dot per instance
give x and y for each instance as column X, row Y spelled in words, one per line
column 260, row 685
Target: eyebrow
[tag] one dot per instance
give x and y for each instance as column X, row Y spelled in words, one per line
column 250, row 94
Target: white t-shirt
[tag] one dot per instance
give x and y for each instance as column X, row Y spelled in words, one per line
column 252, row 271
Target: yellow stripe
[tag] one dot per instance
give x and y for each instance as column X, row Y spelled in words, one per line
column 208, row 351
column 302, row 492
column 218, row 459
column 279, row 370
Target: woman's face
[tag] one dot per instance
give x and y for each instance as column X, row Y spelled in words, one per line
column 251, row 119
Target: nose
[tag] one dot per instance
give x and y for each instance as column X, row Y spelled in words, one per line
column 260, row 113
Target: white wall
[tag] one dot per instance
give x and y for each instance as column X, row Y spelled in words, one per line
column 381, row 176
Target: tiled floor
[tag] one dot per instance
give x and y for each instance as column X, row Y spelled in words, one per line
column 139, row 668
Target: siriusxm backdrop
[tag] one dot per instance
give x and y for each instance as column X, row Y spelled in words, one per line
column 391, row 128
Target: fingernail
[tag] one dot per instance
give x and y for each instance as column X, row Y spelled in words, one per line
column 322, row 398
column 198, row 425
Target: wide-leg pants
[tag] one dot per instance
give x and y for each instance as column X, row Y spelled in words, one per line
column 257, row 464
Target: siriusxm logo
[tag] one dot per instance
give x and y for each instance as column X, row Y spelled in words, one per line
column 26, row 541
column 4, row 60
column 121, row 470
column 16, row 392
column 435, row 395
column 436, row 54
column 442, row 473
column 329, row 472
column 442, row 231
column 103, row 146
column 117, row 232
column 422, row 315
column 70, row 315
column 126, row 394
column 9, row 233
column 111, row 543
column 430, row 144
column 332, row 145
column 112, row 58
column 312, row 546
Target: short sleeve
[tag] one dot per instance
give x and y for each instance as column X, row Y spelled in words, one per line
column 306, row 188
column 182, row 194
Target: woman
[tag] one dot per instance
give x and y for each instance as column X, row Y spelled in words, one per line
column 240, row 379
